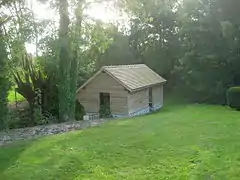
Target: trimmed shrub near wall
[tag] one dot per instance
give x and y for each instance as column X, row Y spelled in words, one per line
column 79, row 111
column 105, row 111
column 233, row 97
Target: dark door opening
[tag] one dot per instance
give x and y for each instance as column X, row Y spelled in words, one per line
column 150, row 98
column 104, row 110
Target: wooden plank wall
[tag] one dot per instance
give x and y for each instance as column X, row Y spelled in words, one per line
column 89, row 97
column 157, row 95
column 138, row 101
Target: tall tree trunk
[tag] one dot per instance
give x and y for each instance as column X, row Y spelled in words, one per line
column 73, row 88
column 4, row 85
column 64, row 62
column 75, row 60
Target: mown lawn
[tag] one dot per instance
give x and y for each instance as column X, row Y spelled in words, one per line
column 199, row 142
column 13, row 98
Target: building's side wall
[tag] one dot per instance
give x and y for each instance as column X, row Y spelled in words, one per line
column 89, row 96
column 157, row 93
column 138, row 103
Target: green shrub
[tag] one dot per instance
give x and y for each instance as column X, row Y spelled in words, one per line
column 19, row 119
column 79, row 111
column 105, row 111
column 233, row 97
column 46, row 118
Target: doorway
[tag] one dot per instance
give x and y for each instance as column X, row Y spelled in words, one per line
column 104, row 110
column 150, row 99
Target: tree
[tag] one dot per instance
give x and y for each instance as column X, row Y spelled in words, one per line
column 193, row 44
column 64, row 62
column 153, row 35
column 210, row 49
column 77, row 32
column 118, row 52
column 4, row 83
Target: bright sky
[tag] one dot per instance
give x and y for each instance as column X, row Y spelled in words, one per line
column 96, row 10
column 100, row 11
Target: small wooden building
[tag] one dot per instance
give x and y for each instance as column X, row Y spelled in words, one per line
column 129, row 90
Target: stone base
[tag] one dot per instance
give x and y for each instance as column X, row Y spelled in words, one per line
column 157, row 107
column 120, row 115
column 91, row 116
column 138, row 112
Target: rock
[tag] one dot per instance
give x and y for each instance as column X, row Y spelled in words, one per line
column 40, row 131
column 6, row 138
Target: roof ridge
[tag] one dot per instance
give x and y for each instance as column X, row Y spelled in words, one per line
column 127, row 65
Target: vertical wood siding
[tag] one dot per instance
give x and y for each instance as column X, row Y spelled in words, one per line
column 157, row 95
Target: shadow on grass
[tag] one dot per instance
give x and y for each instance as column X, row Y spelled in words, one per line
column 21, row 160
column 9, row 154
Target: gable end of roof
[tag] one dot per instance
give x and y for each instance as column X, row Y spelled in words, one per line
column 102, row 70
column 132, row 77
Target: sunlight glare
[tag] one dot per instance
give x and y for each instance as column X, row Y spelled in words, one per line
column 103, row 11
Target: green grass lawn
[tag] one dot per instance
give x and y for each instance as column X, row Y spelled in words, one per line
column 12, row 98
column 196, row 142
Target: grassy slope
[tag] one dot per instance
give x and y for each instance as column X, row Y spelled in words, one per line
column 181, row 142
column 11, row 96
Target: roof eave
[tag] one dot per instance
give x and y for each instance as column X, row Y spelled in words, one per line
column 103, row 69
column 144, row 87
column 90, row 79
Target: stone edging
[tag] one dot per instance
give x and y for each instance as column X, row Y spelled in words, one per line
column 7, row 137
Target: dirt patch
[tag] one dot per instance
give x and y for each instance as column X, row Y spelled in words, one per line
column 21, row 105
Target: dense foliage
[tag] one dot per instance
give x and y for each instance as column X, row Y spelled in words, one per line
column 65, row 59
column 193, row 44
column 4, row 85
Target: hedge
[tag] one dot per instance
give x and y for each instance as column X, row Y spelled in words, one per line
column 233, row 97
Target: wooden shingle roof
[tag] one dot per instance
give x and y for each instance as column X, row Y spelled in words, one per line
column 133, row 77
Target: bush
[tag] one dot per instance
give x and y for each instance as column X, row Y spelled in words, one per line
column 46, row 118
column 105, row 111
column 19, row 119
column 79, row 111
column 233, row 97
